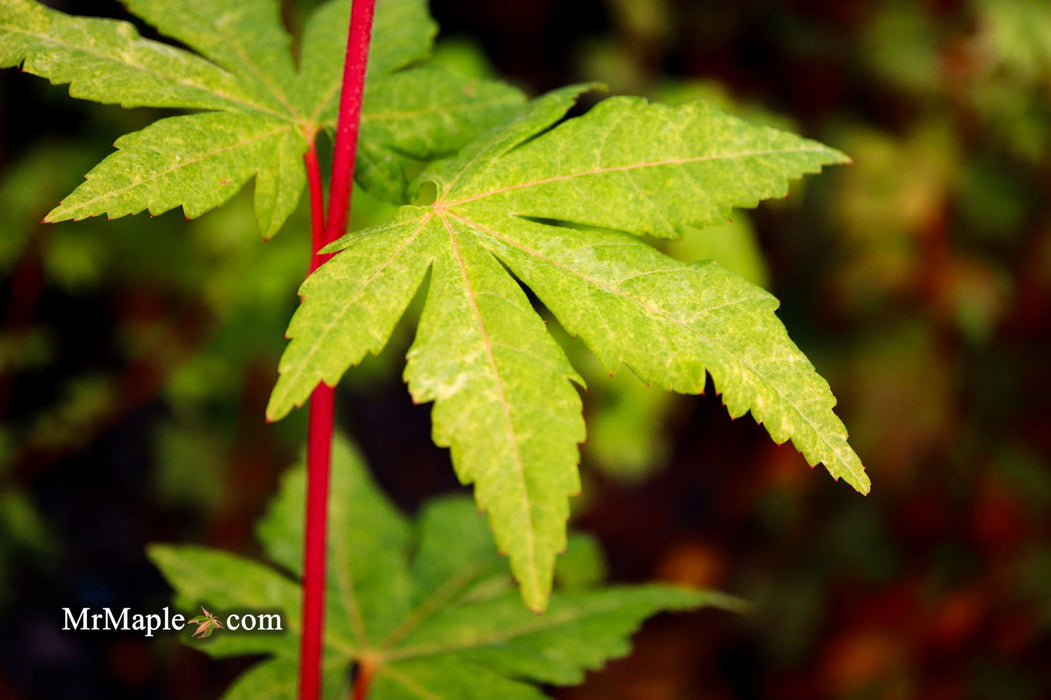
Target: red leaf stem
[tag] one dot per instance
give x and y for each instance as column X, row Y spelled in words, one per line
column 322, row 401
column 317, row 204
column 363, row 679
column 319, row 448
column 346, row 146
column 319, row 457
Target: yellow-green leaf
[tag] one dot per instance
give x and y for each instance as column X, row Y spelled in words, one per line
column 561, row 210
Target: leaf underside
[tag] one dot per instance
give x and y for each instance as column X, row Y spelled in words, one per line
column 445, row 624
column 562, row 209
column 262, row 114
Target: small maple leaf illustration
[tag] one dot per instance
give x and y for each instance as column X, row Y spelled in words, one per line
column 206, row 624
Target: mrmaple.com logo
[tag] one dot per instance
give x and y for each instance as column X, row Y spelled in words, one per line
column 105, row 619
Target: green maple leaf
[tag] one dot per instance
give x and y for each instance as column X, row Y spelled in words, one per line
column 443, row 622
column 561, row 209
column 261, row 113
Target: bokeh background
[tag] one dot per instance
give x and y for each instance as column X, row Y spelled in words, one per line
column 136, row 358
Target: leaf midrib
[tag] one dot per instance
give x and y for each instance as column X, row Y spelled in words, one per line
column 204, row 578
column 46, row 38
column 541, row 623
column 110, row 194
column 444, row 593
column 628, row 168
column 345, row 585
column 656, row 312
column 336, row 318
column 530, row 539
column 407, row 682
column 260, row 74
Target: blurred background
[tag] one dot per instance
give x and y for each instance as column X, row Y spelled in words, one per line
column 136, row 358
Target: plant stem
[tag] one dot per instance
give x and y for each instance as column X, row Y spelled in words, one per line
column 346, row 146
column 319, row 457
column 319, row 454
column 322, row 401
column 363, row 679
column 317, row 203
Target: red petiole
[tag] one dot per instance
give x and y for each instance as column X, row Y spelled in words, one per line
column 322, row 401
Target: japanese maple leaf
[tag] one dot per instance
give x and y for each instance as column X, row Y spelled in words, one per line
column 561, row 208
column 425, row 608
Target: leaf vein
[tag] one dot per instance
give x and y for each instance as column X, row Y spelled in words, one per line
column 433, row 603
column 338, row 315
column 541, row 623
column 754, row 372
column 505, row 404
column 262, row 75
column 48, row 39
column 633, row 166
